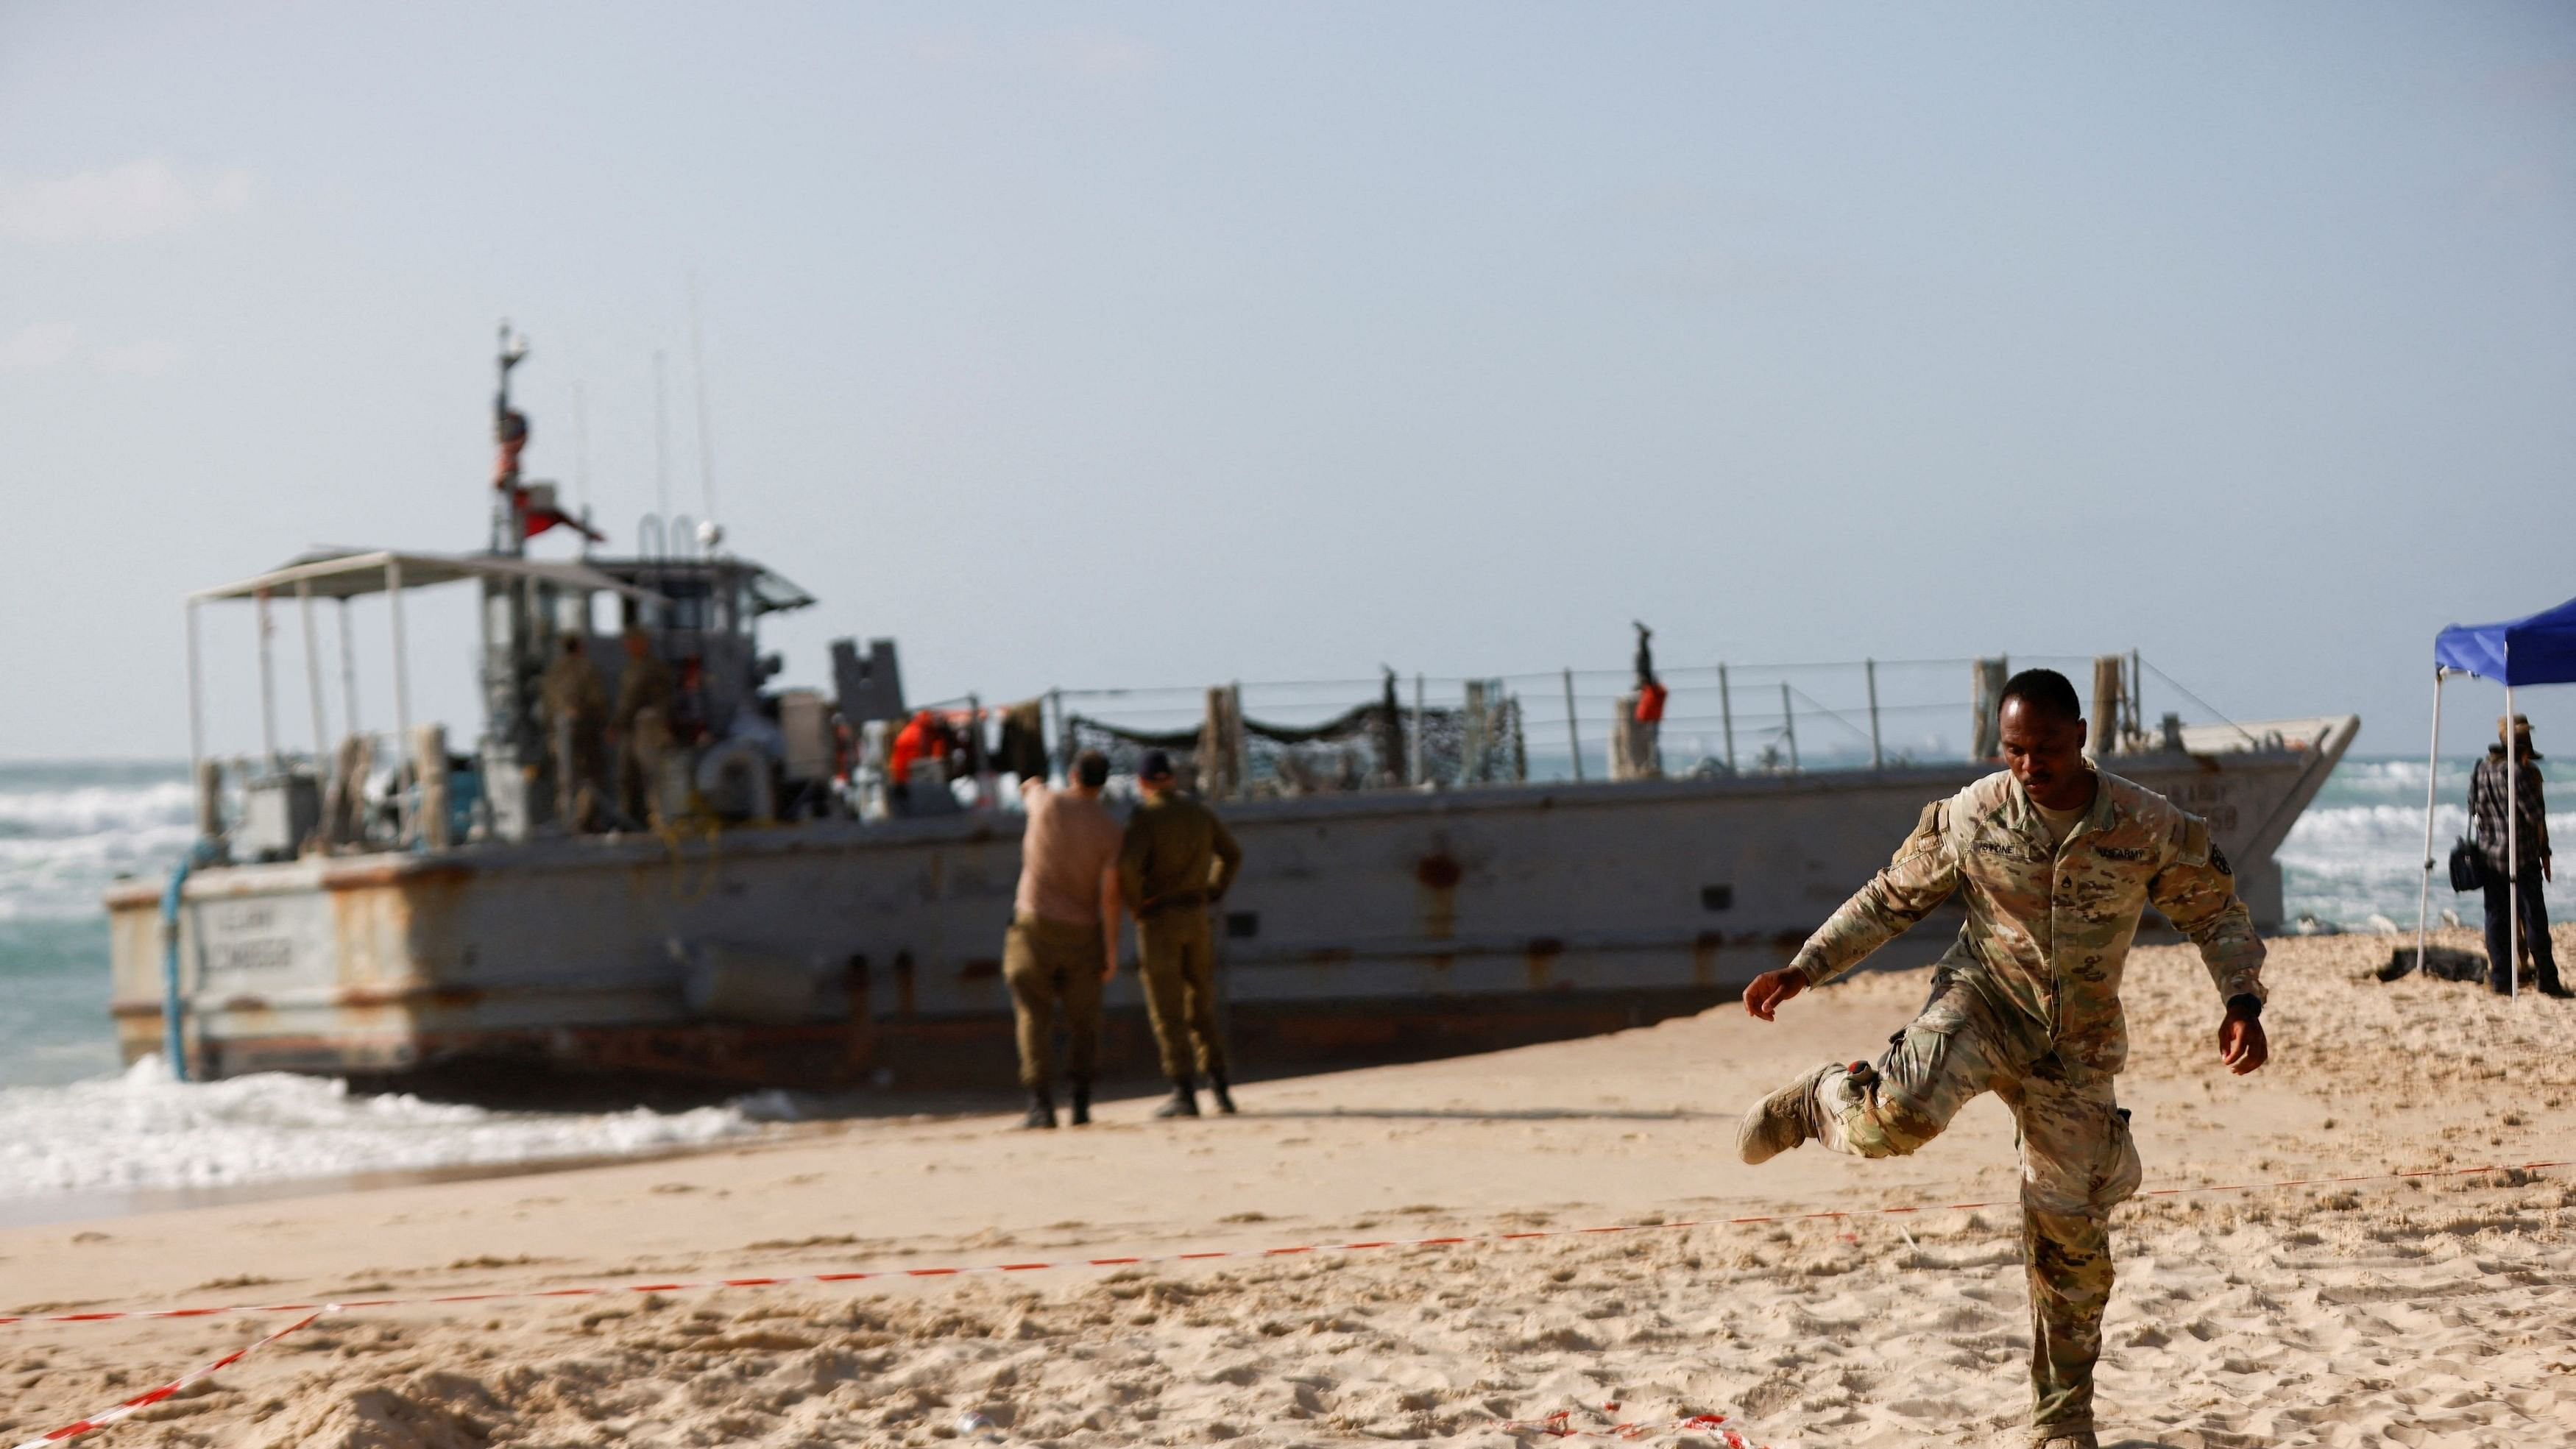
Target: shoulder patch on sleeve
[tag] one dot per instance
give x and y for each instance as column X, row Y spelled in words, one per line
column 2193, row 847
column 1928, row 830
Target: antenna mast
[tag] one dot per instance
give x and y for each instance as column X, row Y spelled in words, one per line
column 510, row 432
column 698, row 372
column 661, row 444
column 581, row 460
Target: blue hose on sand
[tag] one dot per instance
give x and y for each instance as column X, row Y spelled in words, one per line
column 173, row 1029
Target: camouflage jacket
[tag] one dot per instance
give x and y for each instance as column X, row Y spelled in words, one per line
column 571, row 690
column 2047, row 933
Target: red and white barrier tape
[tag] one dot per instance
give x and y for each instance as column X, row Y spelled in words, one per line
column 1154, row 1259
column 105, row 1417
column 1558, row 1425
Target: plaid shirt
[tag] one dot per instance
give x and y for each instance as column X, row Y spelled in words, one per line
column 2487, row 808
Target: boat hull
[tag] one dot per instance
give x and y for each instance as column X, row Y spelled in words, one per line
column 1374, row 925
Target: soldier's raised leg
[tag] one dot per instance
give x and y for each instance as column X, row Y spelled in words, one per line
column 2078, row 1162
column 1955, row 1048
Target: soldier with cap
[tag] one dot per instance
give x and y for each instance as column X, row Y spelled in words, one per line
column 1173, row 867
column 2056, row 862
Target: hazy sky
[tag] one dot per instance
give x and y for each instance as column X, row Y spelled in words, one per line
column 1172, row 344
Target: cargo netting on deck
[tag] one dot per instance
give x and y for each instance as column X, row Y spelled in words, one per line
column 1383, row 744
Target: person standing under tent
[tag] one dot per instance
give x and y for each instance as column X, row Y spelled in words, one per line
column 2056, row 862
column 2492, row 798
column 1173, row 867
column 1062, row 947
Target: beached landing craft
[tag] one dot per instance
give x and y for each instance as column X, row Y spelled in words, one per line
column 1408, row 890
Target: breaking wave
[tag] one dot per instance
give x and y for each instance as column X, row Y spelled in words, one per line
column 142, row 1131
column 2358, row 852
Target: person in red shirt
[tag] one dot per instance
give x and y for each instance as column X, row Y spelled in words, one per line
column 923, row 736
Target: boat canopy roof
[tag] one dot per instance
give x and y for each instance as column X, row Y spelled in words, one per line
column 337, row 573
column 764, row 592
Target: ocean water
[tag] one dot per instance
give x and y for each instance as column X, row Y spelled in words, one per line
column 73, row 1123
column 74, row 1126
column 2358, row 852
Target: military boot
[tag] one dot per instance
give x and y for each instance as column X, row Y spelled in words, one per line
column 1082, row 1101
column 1782, row 1120
column 2064, row 1439
column 1041, row 1108
column 1216, row 1089
column 1184, row 1103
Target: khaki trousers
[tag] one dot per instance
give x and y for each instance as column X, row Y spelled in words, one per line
column 1053, row 969
column 2077, row 1160
column 1178, row 955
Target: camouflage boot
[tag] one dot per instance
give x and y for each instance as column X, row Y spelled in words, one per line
column 2065, row 1439
column 1782, row 1120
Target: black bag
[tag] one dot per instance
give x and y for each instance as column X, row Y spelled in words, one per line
column 2468, row 866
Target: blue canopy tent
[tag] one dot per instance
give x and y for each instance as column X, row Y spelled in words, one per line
column 2538, row 650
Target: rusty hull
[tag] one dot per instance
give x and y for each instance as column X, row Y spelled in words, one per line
column 1364, row 926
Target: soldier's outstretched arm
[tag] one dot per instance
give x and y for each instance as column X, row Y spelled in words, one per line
column 2197, row 892
column 1923, row 874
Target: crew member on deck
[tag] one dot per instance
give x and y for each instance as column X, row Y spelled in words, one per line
column 576, row 707
column 640, row 727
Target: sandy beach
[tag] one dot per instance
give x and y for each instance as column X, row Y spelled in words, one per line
column 2433, row 1312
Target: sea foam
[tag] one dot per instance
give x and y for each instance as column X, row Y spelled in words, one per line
column 142, row 1131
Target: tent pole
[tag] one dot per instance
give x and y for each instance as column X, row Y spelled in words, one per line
column 2512, row 843
column 2432, row 770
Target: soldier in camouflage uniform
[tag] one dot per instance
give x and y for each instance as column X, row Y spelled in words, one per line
column 575, row 705
column 2055, row 863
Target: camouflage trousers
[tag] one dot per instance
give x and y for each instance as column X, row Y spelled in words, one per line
column 2077, row 1160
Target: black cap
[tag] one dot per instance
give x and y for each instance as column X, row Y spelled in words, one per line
column 1157, row 765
